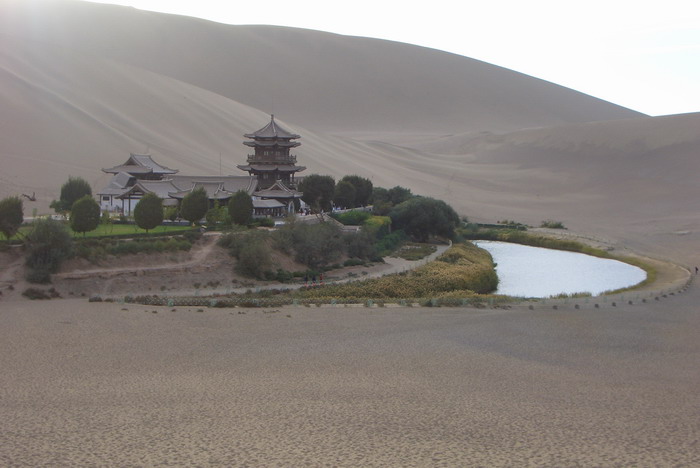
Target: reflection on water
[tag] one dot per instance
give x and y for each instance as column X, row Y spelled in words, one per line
column 536, row 272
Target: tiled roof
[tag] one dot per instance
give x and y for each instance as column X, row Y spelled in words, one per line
column 278, row 190
column 272, row 130
column 257, row 203
column 271, row 143
column 118, row 184
column 270, row 167
column 140, row 164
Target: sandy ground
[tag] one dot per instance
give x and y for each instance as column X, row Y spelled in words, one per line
column 114, row 385
column 127, row 385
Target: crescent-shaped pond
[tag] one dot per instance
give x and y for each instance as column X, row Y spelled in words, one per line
column 525, row 271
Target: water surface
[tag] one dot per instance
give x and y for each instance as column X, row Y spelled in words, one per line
column 537, row 272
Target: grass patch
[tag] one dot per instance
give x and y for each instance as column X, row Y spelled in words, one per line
column 463, row 270
column 414, row 251
column 552, row 224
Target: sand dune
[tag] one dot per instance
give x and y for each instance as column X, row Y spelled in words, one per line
column 82, row 85
column 318, row 80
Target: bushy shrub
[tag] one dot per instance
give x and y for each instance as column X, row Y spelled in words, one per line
column 265, row 222
column 144, row 246
column 192, row 236
column 391, row 242
column 422, row 217
column 39, row 275
column 378, row 226
column 36, row 294
column 48, row 244
column 552, row 224
column 240, row 207
column 353, row 218
column 360, row 245
column 194, row 205
column 149, row 212
column 254, row 260
column 11, row 216
column 316, row 245
column 85, row 215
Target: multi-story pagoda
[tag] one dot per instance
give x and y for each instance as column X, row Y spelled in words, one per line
column 272, row 163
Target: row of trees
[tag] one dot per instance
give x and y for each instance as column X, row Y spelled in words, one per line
column 321, row 192
column 76, row 199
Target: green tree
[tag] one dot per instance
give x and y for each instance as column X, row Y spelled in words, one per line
column 254, row 260
column 48, row 244
column 171, row 213
column 363, row 189
column 73, row 190
column 318, row 191
column 344, row 195
column 11, row 215
column 218, row 215
column 85, row 215
column 381, row 204
column 421, row 217
column 399, row 194
column 149, row 212
column 314, row 245
column 195, row 205
column 240, row 208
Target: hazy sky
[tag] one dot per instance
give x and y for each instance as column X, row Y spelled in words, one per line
column 640, row 54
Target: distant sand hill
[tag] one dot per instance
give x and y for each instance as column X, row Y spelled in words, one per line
column 82, row 85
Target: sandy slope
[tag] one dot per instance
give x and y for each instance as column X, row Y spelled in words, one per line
column 110, row 384
column 324, row 81
column 82, row 85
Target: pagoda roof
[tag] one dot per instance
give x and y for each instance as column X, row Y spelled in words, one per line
column 271, row 167
column 272, row 130
column 272, row 143
column 139, row 164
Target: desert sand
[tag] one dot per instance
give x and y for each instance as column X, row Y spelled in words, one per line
column 129, row 385
column 82, row 85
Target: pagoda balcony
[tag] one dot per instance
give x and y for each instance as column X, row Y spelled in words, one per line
column 252, row 159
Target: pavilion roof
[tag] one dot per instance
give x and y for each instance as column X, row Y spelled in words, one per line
column 159, row 187
column 272, row 130
column 140, row 164
column 117, row 184
column 257, row 203
column 216, row 187
column 277, row 190
column 231, row 184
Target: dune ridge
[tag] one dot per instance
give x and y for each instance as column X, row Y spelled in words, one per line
column 82, row 85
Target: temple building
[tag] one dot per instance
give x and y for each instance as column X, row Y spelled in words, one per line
column 271, row 181
column 271, row 161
